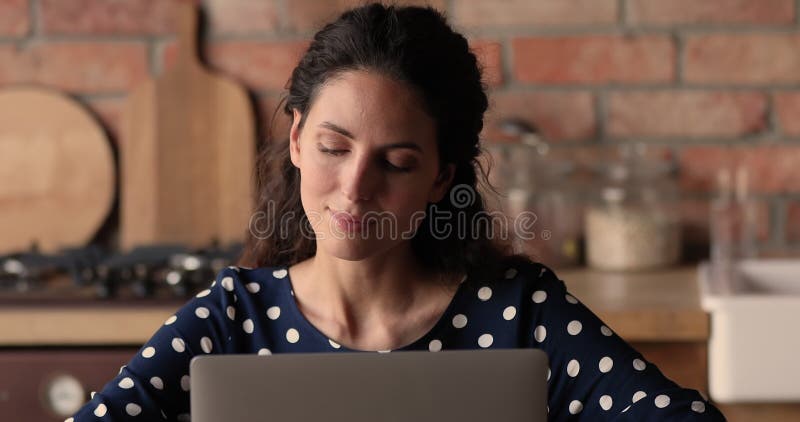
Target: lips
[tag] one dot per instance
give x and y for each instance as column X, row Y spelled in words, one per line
column 346, row 221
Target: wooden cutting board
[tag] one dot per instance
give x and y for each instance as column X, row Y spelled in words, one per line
column 57, row 175
column 187, row 153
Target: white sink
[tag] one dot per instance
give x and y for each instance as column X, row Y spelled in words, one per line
column 754, row 345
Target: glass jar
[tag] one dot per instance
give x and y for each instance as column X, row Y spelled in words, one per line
column 541, row 204
column 632, row 221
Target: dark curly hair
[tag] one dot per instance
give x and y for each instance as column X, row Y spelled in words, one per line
column 416, row 46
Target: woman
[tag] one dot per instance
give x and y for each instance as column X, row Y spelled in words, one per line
column 349, row 250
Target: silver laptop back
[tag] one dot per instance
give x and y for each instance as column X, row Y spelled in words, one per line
column 471, row 385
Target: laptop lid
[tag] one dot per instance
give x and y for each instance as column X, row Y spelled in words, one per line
column 460, row 385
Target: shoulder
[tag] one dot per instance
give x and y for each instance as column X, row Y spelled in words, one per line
column 518, row 278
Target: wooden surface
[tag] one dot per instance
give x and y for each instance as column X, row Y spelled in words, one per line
column 188, row 147
column 85, row 326
column 57, row 176
column 659, row 305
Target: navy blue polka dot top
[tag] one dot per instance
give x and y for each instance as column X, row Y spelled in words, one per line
column 594, row 374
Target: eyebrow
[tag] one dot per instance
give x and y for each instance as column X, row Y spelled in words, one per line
column 344, row 132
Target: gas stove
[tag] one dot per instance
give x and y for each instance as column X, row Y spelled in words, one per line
column 144, row 274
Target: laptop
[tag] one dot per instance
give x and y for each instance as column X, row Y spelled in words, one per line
column 461, row 385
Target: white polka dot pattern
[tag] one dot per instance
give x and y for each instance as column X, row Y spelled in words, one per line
column 100, row 410
column 460, row 321
column 606, row 363
column 662, row 401
column 575, row 407
column 574, row 328
column 133, row 409
column 606, row 402
column 227, row 283
column 178, row 345
column 573, row 368
column 492, row 314
column 206, row 345
column 540, row 333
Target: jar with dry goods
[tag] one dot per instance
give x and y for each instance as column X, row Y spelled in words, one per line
column 632, row 221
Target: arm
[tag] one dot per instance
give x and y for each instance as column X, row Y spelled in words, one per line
column 154, row 385
column 595, row 374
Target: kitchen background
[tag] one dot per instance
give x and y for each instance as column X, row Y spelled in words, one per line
column 716, row 80
column 712, row 84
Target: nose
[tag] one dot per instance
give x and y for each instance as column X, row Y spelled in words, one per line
column 360, row 180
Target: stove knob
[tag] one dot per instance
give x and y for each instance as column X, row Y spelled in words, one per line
column 64, row 395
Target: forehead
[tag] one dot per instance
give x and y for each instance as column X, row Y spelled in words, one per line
column 371, row 105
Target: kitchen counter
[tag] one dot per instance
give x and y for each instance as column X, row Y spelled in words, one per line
column 658, row 306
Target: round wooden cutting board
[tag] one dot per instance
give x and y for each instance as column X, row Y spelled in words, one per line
column 57, row 176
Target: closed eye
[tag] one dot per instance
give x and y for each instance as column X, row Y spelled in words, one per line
column 332, row 151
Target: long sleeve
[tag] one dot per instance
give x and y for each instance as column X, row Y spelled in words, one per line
column 154, row 385
column 594, row 374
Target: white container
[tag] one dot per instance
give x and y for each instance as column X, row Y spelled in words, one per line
column 754, row 345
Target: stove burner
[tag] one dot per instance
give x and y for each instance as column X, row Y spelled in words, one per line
column 167, row 270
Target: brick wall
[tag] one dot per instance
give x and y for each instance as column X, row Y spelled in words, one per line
column 714, row 81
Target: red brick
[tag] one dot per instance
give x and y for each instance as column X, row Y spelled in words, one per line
column 489, row 55
column 259, row 65
column 502, row 13
column 242, row 16
column 76, row 66
column 14, row 19
column 772, row 169
column 671, row 12
column 107, row 17
column 742, row 58
column 793, row 221
column 787, row 106
column 558, row 115
column 594, row 59
column 686, row 113
column 312, row 15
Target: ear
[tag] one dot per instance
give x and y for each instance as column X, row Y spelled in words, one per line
column 442, row 183
column 294, row 138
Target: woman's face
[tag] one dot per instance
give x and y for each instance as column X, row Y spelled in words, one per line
column 367, row 149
